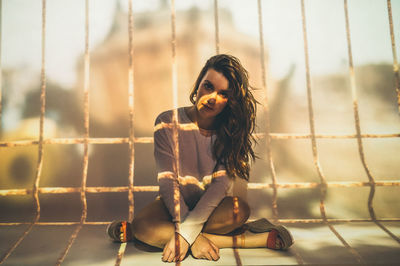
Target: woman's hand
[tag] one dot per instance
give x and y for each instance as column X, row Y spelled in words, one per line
column 203, row 248
column 169, row 250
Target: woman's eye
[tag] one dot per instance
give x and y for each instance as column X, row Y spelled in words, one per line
column 207, row 86
column 224, row 95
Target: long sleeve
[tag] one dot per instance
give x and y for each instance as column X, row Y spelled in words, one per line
column 201, row 187
column 217, row 190
column 167, row 178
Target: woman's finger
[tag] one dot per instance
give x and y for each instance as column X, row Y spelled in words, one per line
column 182, row 256
column 166, row 254
column 216, row 249
column 213, row 254
column 208, row 256
column 171, row 257
column 177, row 257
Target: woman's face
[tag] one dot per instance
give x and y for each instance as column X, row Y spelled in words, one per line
column 212, row 94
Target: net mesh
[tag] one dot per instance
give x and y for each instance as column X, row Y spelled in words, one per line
column 323, row 185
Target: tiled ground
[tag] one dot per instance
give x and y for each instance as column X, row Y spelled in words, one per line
column 315, row 244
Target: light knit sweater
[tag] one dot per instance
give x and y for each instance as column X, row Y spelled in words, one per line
column 201, row 189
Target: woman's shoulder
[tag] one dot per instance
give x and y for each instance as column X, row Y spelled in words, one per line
column 166, row 116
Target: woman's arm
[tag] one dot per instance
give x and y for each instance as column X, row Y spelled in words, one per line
column 191, row 227
column 167, row 178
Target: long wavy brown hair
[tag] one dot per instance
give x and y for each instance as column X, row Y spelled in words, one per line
column 233, row 146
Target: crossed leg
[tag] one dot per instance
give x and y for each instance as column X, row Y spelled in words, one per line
column 153, row 225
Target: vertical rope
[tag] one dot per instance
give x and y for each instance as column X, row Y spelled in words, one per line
column 176, row 184
column 356, row 114
column 121, row 252
column 235, row 211
column 175, row 129
column 395, row 63
column 131, row 90
column 174, row 64
column 86, row 137
column 267, row 125
column 131, row 94
column 358, row 127
column 216, row 21
column 267, row 114
column 323, row 185
column 42, row 112
column 35, row 190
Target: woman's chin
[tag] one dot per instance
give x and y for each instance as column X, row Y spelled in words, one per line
column 208, row 114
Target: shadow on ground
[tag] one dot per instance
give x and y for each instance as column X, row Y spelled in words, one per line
column 315, row 244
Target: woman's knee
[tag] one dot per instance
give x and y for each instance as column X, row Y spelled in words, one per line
column 240, row 209
column 152, row 225
column 154, row 233
column 230, row 214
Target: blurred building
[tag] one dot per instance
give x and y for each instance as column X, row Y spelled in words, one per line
column 195, row 35
column 109, row 65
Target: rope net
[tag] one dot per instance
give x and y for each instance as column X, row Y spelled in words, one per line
column 323, row 185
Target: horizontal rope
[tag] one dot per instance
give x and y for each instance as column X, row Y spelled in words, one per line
column 66, row 190
column 328, row 184
column 150, row 139
column 281, row 221
column 76, row 141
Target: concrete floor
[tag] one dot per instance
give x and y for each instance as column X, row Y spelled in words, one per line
column 315, row 244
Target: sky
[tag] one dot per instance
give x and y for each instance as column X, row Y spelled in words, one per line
column 65, row 35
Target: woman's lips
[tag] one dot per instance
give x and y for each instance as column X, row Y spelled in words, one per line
column 208, row 107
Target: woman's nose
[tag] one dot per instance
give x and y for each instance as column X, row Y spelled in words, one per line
column 211, row 100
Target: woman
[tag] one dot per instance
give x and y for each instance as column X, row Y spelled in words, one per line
column 213, row 153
